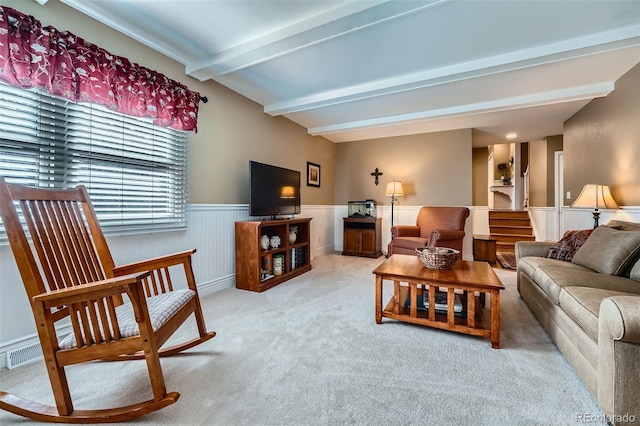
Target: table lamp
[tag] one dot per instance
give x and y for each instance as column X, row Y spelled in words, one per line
column 287, row 192
column 595, row 196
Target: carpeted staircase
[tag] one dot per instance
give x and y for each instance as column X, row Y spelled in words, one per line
column 508, row 227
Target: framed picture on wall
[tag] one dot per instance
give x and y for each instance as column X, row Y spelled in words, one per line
column 313, row 174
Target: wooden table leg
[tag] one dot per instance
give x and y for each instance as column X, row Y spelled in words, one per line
column 432, row 303
column 396, row 297
column 413, row 294
column 378, row 299
column 451, row 313
column 471, row 309
column 495, row 319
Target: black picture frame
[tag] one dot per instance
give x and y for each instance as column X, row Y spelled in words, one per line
column 313, row 174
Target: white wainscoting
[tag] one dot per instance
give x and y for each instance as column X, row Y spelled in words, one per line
column 583, row 218
column 480, row 220
column 211, row 232
column 322, row 228
column 402, row 215
column 543, row 222
column 543, row 219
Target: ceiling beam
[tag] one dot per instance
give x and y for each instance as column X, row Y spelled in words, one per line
column 552, row 53
column 342, row 20
column 109, row 12
column 538, row 99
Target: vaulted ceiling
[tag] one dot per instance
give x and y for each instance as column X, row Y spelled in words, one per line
column 363, row 69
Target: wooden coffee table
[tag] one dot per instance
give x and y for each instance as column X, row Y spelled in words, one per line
column 469, row 281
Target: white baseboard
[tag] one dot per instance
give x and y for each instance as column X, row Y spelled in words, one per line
column 218, row 284
column 211, row 231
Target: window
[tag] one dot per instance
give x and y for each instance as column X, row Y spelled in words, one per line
column 135, row 172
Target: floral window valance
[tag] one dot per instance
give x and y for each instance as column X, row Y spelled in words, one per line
column 66, row 65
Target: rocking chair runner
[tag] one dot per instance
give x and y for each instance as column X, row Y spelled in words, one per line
column 68, row 273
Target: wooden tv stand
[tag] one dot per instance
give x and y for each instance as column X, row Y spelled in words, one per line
column 251, row 259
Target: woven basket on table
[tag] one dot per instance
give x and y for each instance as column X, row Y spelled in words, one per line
column 438, row 257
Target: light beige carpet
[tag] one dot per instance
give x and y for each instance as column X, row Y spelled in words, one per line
column 308, row 352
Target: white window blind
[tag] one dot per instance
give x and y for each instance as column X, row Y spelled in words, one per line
column 135, row 172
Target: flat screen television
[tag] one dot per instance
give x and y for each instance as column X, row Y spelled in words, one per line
column 273, row 191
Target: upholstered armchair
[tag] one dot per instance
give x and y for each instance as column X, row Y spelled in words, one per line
column 435, row 226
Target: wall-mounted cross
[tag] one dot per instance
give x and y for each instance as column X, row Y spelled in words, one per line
column 375, row 174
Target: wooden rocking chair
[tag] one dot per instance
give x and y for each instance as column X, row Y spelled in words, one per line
column 68, row 273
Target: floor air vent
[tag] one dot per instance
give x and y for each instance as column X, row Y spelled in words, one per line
column 23, row 355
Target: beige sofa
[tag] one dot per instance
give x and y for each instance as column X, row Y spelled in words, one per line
column 590, row 307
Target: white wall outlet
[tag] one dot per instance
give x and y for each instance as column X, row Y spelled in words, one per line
column 568, row 195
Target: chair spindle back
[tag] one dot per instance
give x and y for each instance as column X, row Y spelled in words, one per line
column 58, row 243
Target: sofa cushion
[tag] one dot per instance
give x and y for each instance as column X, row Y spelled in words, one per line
column 552, row 275
column 569, row 244
column 623, row 225
column 529, row 264
column 583, row 305
column 609, row 251
column 551, row 279
column 635, row 271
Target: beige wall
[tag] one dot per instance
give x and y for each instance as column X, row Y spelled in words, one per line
column 537, row 168
column 435, row 168
column 602, row 143
column 501, row 154
column 238, row 131
column 554, row 144
column 480, row 158
column 231, row 129
column 542, row 171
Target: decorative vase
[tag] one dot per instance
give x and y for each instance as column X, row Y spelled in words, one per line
column 268, row 264
column 293, row 234
column 264, row 242
column 275, row 241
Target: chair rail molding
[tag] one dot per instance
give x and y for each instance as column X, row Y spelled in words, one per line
column 210, row 230
column 403, row 215
column 574, row 218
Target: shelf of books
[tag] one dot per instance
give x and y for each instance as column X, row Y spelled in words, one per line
column 402, row 307
column 271, row 252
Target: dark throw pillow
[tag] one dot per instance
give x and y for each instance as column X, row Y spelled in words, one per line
column 570, row 243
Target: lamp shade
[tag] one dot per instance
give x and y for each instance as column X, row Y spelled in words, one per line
column 287, row 192
column 394, row 188
column 595, row 196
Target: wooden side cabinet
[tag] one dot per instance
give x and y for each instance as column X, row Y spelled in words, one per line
column 362, row 237
column 484, row 248
column 259, row 269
